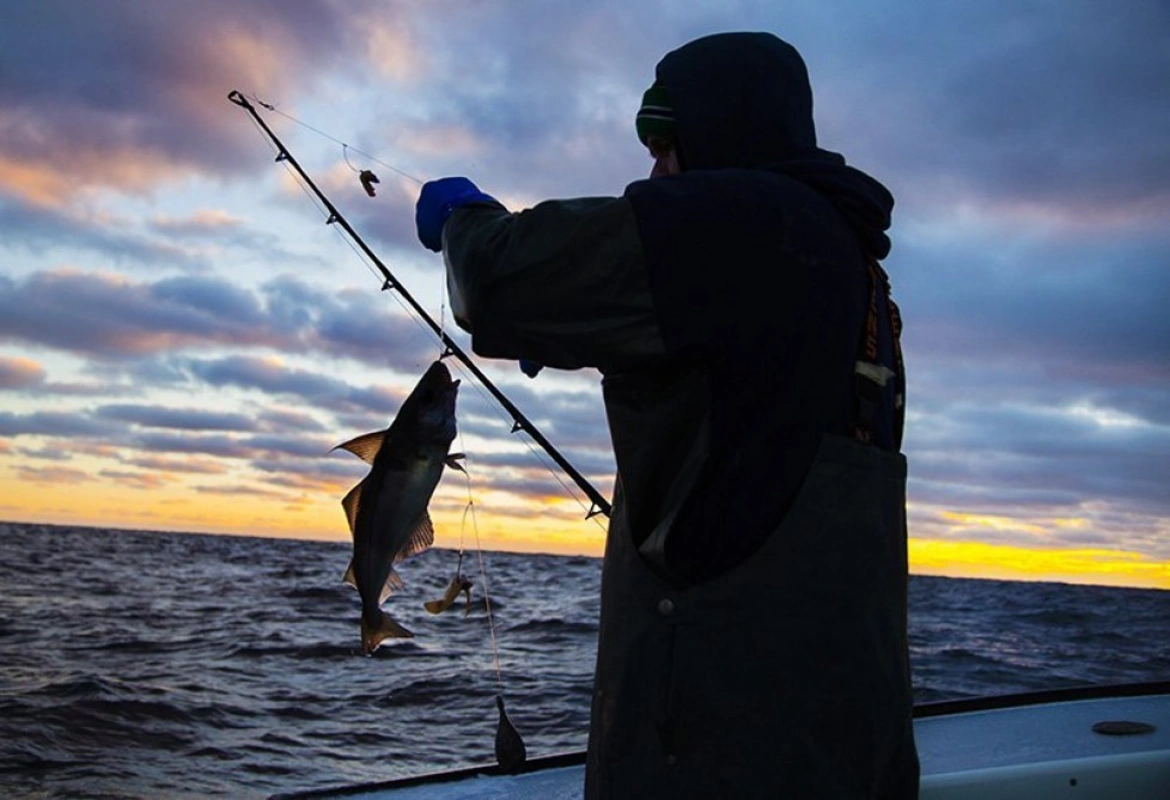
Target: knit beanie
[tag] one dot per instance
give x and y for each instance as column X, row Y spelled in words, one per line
column 656, row 116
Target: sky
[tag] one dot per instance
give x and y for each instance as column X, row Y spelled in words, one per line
column 183, row 340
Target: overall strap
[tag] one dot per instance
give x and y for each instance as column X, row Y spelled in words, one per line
column 871, row 377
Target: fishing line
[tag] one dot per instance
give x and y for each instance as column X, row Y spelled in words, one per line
column 469, row 509
column 536, row 454
column 462, row 446
column 510, row 750
column 292, row 173
column 345, row 155
column 344, row 146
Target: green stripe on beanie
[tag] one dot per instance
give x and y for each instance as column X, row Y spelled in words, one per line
column 656, row 116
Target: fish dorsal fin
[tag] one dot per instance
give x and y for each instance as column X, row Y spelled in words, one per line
column 393, row 584
column 351, row 502
column 366, row 446
column 421, row 538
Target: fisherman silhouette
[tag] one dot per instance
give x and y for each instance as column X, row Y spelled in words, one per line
column 753, row 618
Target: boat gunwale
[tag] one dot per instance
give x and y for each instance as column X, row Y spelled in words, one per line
column 940, row 708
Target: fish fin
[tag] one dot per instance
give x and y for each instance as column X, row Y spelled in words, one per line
column 421, row 538
column 393, row 584
column 350, row 503
column 366, row 446
column 386, row 628
column 453, row 460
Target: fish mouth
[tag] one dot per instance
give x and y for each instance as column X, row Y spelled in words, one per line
column 438, row 372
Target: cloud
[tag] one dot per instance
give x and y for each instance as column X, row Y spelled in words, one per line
column 52, row 475
column 109, row 316
column 149, row 416
column 203, row 223
column 51, row 423
column 528, row 459
column 238, row 491
column 219, row 445
column 181, row 465
column 362, row 325
column 329, row 465
column 293, row 445
column 272, row 376
column 278, row 420
column 1052, row 105
column 136, row 480
column 1014, row 459
column 133, row 99
column 20, row 373
column 1090, row 310
column 46, row 454
column 38, row 229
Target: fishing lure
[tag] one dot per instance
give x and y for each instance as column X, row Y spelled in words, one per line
column 368, row 180
column 458, row 584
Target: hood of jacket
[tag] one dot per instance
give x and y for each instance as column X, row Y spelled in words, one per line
column 743, row 100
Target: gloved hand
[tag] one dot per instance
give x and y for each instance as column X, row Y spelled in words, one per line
column 530, row 368
column 438, row 201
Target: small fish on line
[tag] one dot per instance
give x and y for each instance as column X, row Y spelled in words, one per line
column 457, row 585
column 387, row 510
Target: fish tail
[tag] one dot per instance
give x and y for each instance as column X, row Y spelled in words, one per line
column 384, row 628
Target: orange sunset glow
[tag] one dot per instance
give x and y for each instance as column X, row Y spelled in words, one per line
column 554, row 524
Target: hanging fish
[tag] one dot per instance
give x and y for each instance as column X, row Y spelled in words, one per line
column 387, row 511
column 510, row 751
column 368, row 180
column 458, row 584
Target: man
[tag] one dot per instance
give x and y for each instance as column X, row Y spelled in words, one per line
column 753, row 622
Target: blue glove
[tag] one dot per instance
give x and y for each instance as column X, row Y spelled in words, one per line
column 438, row 201
column 530, row 368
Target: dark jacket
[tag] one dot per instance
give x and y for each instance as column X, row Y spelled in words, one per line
column 753, row 602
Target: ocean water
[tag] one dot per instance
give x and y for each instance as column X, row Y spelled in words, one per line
column 138, row 664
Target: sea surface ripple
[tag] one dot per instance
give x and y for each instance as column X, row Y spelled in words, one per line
column 143, row 664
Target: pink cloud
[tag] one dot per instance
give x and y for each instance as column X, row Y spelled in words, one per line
column 200, row 466
column 20, row 373
column 52, row 475
column 143, row 102
column 136, row 480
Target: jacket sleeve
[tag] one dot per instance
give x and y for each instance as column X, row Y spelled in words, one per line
column 563, row 283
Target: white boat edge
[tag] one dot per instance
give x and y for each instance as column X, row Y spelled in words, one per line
column 1012, row 747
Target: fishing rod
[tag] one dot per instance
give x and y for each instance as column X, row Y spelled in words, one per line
column 519, row 421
